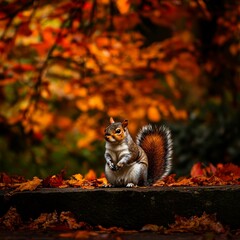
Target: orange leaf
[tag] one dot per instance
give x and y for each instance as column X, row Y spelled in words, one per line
column 29, row 185
column 102, row 181
column 91, row 175
column 123, row 6
column 153, row 114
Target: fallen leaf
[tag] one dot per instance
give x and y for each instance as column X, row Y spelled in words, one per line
column 78, row 177
column 69, row 218
column 183, row 182
column 197, row 170
column 228, row 172
column 211, row 169
column 165, row 181
column 4, row 178
column 54, row 181
column 196, row 224
column 44, row 221
column 10, row 181
column 111, row 229
column 87, row 187
column 29, row 185
column 123, row 6
column 11, row 220
column 91, row 175
column 102, row 182
column 152, row 228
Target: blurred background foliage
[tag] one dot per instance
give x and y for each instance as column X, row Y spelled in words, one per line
column 67, row 65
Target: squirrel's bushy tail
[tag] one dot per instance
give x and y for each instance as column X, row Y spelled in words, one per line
column 157, row 144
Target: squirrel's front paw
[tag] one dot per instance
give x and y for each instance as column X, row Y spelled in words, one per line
column 112, row 166
column 119, row 165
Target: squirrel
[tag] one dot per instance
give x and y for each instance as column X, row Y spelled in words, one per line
column 137, row 164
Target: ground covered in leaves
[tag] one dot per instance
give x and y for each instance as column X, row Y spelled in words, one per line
column 67, row 226
column 222, row 174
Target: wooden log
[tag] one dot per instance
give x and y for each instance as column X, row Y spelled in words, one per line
column 130, row 208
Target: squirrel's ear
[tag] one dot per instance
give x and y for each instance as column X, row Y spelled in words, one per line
column 124, row 123
column 112, row 120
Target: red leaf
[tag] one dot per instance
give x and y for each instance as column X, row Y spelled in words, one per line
column 197, row 170
column 212, row 168
column 54, row 181
column 228, row 172
column 4, row 178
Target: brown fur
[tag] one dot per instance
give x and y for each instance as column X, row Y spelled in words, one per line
column 153, row 146
column 156, row 141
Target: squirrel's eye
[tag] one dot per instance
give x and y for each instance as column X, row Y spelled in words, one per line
column 118, row 131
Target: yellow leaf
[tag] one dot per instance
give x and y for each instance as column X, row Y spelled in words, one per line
column 29, row 185
column 74, row 183
column 102, row 181
column 86, row 141
column 96, row 102
column 78, row 176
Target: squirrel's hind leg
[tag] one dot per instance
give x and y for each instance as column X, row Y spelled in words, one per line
column 142, row 174
column 137, row 176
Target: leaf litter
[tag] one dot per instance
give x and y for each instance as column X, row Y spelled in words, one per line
column 222, row 174
column 65, row 222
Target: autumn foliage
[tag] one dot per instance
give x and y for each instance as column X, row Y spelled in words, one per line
column 65, row 221
column 66, row 65
column 228, row 174
column 205, row 176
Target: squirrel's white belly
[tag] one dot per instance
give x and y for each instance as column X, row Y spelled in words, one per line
column 128, row 174
column 117, row 152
